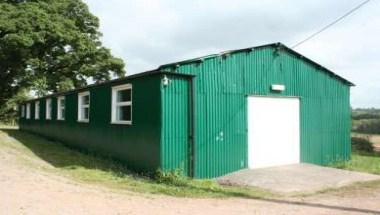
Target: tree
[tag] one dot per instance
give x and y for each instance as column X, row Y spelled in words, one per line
column 50, row 45
column 8, row 112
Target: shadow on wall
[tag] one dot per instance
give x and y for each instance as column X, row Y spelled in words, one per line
column 61, row 156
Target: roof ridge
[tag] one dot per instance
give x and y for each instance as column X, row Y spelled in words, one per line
column 278, row 44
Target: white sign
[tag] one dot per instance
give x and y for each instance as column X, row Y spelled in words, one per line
column 278, row 87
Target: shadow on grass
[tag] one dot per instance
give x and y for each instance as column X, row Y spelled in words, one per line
column 60, row 156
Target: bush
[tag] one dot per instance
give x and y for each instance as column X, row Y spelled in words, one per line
column 369, row 127
column 361, row 144
column 174, row 177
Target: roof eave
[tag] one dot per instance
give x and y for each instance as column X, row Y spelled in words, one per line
column 138, row 75
column 315, row 63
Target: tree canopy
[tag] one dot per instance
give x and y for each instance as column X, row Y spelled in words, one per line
column 50, row 45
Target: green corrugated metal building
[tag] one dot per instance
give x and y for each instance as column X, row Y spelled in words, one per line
column 208, row 116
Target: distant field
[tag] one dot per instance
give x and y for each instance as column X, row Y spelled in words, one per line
column 374, row 138
column 366, row 121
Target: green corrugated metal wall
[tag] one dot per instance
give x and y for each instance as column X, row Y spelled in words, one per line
column 222, row 84
column 138, row 145
column 175, row 145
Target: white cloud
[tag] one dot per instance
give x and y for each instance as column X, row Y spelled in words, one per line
column 148, row 33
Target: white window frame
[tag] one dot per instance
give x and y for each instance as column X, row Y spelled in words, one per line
column 28, row 111
column 59, row 108
column 48, row 109
column 22, row 111
column 37, row 110
column 81, row 106
column 116, row 104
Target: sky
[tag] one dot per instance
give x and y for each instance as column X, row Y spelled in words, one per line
column 149, row 33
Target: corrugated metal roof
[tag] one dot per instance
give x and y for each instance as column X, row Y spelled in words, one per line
column 280, row 46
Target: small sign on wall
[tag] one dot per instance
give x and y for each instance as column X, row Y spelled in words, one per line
column 278, row 87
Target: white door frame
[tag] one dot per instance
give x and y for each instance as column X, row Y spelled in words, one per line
column 279, row 97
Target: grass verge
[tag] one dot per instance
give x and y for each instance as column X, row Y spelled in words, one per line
column 368, row 162
column 89, row 168
column 363, row 158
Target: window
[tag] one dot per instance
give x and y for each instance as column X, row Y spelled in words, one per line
column 37, row 110
column 84, row 107
column 61, row 108
column 48, row 109
column 28, row 111
column 22, row 111
column 122, row 104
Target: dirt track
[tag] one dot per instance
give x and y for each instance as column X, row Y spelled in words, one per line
column 26, row 190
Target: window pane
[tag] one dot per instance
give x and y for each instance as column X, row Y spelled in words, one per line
column 123, row 113
column 124, row 95
column 62, row 102
column 48, row 109
column 28, row 111
column 85, row 100
column 85, row 113
column 37, row 110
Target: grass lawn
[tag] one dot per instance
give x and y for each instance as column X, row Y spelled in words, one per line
column 88, row 168
column 362, row 162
